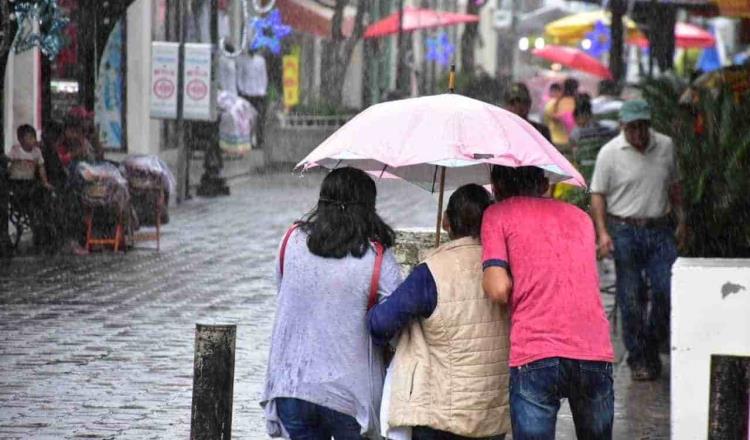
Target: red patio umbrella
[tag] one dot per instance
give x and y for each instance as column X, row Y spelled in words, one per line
column 575, row 59
column 687, row 36
column 415, row 19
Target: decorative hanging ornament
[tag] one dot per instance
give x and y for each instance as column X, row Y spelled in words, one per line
column 440, row 49
column 51, row 23
column 269, row 31
column 262, row 9
column 598, row 41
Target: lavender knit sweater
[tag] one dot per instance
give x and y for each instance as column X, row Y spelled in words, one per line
column 321, row 350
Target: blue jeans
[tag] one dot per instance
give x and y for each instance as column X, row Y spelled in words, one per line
column 425, row 433
column 537, row 388
column 642, row 253
column 308, row 421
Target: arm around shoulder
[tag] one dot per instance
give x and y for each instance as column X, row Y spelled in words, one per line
column 497, row 284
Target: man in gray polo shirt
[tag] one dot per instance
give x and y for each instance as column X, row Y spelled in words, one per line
column 636, row 198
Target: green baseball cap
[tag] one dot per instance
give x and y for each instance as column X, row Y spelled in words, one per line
column 635, row 110
column 517, row 92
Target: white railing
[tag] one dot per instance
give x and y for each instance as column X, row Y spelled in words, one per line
column 287, row 120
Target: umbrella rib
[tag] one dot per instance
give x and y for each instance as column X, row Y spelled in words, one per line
column 337, row 164
column 383, row 171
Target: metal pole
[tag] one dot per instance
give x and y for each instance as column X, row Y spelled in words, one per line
column 182, row 159
column 440, row 207
column 451, row 89
column 213, row 382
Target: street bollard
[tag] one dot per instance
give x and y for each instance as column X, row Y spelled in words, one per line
column 213, row 382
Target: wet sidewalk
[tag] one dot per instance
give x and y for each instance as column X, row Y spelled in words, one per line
column 102, row 346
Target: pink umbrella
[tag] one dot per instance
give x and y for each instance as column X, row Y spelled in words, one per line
column 438, row 142
column 415, row 19
column 575, row 59
column 687, row 36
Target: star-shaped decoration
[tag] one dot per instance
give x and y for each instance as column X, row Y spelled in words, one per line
column 269, row 31
column 440, row 49
column 51, row 24
column 599, row 40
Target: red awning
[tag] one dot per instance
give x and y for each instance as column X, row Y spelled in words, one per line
column 415, row 19
column 311, row 17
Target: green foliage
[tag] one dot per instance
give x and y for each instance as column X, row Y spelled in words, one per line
column 714, row 165
column 664, row 96
column 584, row 159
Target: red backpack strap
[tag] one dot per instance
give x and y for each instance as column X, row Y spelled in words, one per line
column 282, row 252
column 375, row 280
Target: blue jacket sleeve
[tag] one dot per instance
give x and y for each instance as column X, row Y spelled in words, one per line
column 415, row 298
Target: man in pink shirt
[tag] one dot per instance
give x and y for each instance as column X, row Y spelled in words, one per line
column 539, row 257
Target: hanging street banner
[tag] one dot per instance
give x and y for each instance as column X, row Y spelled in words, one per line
column 290, row 80
column 734, row 8
column 110, row 88
column 199, row 102
column 164, row 59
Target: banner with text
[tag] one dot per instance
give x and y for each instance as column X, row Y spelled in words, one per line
column 291, row 80
column 164, row 59
column 200, row 97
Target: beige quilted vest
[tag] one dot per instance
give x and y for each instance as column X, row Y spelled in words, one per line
column 451, row 370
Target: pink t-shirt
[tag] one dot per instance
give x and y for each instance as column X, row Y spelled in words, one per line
column 549, row 249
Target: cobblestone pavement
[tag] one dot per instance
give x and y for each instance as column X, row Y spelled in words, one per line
column 102, row 346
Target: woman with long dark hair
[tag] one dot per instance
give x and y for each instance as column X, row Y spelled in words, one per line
column 324, row 377
column 558, row 115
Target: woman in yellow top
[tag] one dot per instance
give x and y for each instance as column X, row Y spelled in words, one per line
column 558, row 115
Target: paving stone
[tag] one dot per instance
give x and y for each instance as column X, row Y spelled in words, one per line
column 101, row 346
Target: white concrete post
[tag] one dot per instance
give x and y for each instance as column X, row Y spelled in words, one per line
column 710, row 315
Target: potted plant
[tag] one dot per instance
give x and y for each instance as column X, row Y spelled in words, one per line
column 711, row 280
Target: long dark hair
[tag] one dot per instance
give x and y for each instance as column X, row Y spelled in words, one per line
column 345, row 221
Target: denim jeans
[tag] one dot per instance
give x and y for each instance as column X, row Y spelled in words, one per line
column 425, row 433
column 640, row 254
column 308, row 421
column 537, row 388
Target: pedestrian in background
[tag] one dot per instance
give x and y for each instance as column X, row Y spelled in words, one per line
column 587, row 129
column 539, row 256
column 324, row 377
column 636, row 200
column 51, row 138
column 518, row 101
column 450, row 377
column 252, row 85
column 558, row 115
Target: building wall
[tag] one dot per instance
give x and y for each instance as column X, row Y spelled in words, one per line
column 142, row 131
column 486, row 52
column 353, row 82
column 22, row 94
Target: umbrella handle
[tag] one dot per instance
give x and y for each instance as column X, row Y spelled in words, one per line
column 452, row 79
column 439, row 226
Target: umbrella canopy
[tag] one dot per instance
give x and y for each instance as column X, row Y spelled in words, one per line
column 572, row 29
column 575, row 59
column 687, row 36
column 415, row 19
column 412, row 138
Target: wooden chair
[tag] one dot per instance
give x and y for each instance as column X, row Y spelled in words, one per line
column 91, row 212
column 151, row 191
column 114, row 241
